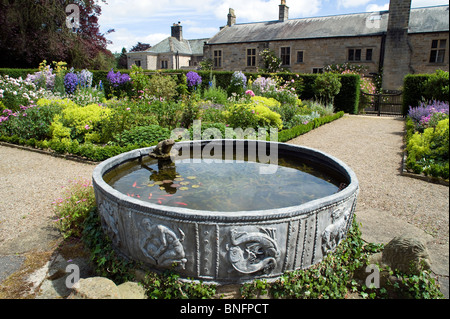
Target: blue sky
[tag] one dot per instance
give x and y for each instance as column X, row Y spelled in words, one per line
column 149, row 21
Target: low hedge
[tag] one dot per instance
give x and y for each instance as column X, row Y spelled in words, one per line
column 98, row 153
column 298, row 130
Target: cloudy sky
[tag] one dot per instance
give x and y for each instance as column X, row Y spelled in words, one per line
column 149, row 21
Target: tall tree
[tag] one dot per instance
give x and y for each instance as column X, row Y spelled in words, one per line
column 36, row 30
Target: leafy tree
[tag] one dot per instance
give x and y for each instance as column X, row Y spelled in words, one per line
column 33, row 31
column 140, row 47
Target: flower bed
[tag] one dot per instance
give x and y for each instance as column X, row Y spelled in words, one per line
column 428, row 139
column 100, row 120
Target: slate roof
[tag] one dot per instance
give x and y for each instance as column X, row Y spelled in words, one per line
column 185, row 47
column 431, row 19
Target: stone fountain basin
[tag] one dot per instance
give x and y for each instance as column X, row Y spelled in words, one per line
column 226, row 247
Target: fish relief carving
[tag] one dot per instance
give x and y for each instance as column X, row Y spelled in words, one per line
column 251, row 252
column 162, row 246
column 110, row 223
column 334, row 233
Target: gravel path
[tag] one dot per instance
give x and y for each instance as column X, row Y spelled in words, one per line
column 373, row 148
column 29, row 183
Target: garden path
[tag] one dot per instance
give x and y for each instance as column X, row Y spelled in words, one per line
column 389, row 204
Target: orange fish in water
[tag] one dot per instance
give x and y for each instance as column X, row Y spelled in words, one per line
column 150, row 196
column 180, row 203
column 138, row 196
column 159, row 201
column 168, row 195
column 135, row 183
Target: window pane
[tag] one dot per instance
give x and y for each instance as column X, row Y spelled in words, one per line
column 434, row 44
column 300, row 57
column 358, row 55
column 433, row 56
column 351, row 55
column 369, row 55
column 442, row 44
column 440, row 57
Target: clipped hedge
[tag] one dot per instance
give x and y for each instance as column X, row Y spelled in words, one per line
column 416, row 89
column 298, row 130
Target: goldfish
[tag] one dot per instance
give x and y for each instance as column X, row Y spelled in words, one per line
column 180, row 203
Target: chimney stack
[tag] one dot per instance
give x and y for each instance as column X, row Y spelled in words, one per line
column 284, row 11
column 177, row 31
column 397, row 51
column 231, row 18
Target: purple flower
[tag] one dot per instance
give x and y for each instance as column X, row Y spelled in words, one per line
column 117, row 79
column 193, row 79
column 70, row 82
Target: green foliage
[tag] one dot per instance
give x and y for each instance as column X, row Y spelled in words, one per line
column 142, row 135
column 215, row 95
column 72, row 210
column 298, row 130
column 428, row 152
column 436, row 87
column 104, row 258
column 252, row 116
column 327, row 86
column 168, row 113
column 271, row 62
column 162, row 87
column 168, row 286
column 81, row 123
column 425, row 87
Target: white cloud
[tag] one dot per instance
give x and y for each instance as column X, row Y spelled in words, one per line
column 124, row 38
column 428, row 3
column 376, row 7
column 352, row 3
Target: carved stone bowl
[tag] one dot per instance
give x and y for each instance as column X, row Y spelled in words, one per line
column 226, row 247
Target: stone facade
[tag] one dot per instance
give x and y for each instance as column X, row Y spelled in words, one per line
column 398, row 42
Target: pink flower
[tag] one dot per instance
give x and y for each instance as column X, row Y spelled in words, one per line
column 87, row 127
column 128, row 108
column 250, row 92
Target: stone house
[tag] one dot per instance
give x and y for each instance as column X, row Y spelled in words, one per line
column 172, row 53
column 397, row 42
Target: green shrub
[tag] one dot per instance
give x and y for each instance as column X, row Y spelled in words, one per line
column 252, row 116
column 327, row 86
column 81, row 123
column 142, row 134
column 162, row 86
column 72, row 210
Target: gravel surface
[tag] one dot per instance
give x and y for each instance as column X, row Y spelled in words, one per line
column 373, row 148
column 29, row 183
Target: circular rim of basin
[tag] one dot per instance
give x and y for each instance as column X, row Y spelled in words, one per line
column 226, row 216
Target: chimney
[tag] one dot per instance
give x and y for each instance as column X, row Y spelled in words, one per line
column 177, row 31
column 284, row 11
column 231, row 18
column 397, row 52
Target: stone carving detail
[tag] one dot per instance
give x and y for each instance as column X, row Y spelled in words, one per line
column 110, row 221
column 162, row 246
column 334, row 233
column 251, row 252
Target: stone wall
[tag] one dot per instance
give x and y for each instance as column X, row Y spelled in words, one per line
column 420, row 57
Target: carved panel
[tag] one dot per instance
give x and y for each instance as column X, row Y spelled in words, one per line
column 252, row 252
column 161, row 245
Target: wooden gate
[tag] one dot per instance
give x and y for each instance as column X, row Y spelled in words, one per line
column 382, row 104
